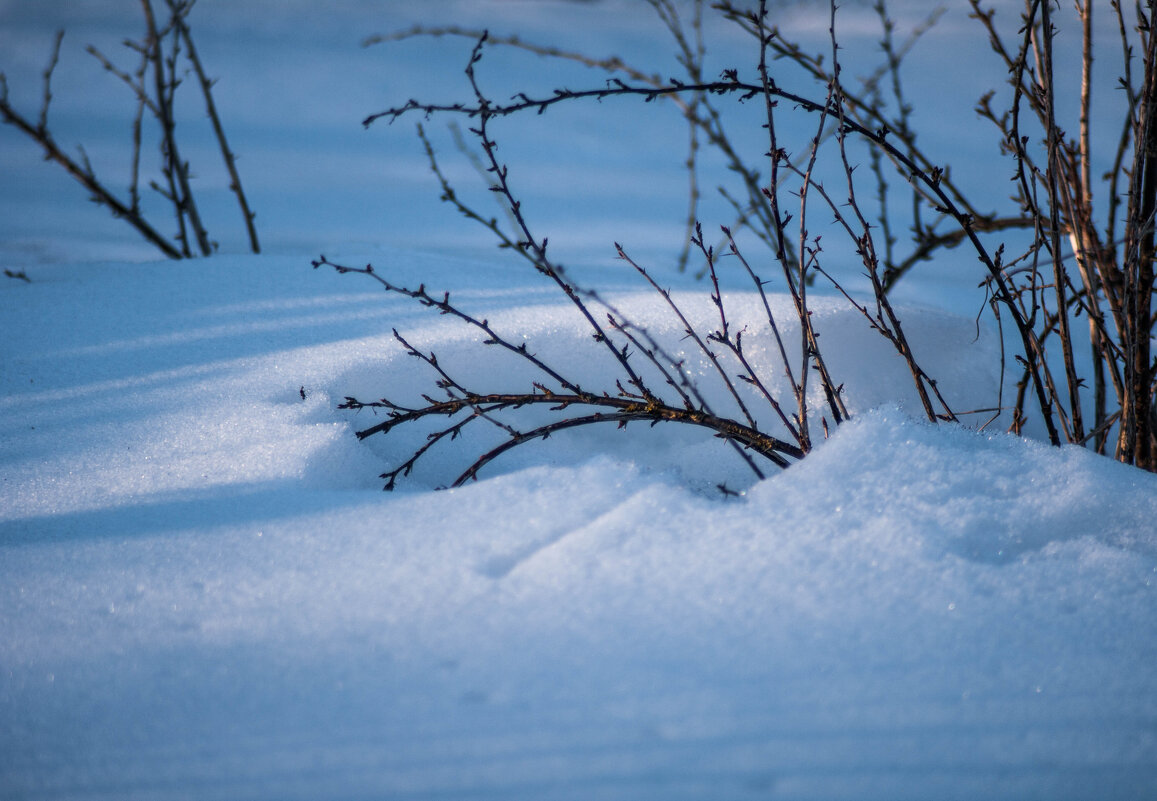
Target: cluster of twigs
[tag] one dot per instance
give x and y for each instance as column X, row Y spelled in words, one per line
column 164, row 55
column 1036, row 295
column 1109, row 275
column 707, row 121
column 673, row 396
column 632, row 400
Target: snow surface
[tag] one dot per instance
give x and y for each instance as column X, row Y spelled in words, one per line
column 204, row 594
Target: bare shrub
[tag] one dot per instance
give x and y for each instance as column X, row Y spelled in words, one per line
column 163, row 56
column 1035, row 292
column 1108, row 276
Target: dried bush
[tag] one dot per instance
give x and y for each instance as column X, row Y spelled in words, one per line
column 1108, row 277
column 164, row 55
column 1036, row 293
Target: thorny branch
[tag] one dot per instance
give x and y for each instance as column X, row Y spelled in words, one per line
column 931, row 180
column 621, row 407
column 634, row 353
column 1036, row 292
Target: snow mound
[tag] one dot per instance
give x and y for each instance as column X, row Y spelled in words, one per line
column 202, row 592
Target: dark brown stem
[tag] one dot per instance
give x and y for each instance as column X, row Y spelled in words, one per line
column 211, row 109
column 84, row 175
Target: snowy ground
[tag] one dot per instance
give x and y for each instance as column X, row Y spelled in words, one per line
column 203, row 594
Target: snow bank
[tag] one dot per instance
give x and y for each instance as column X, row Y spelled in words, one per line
column 202, row 593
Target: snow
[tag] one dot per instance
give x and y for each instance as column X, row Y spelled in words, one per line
column 204, row 594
